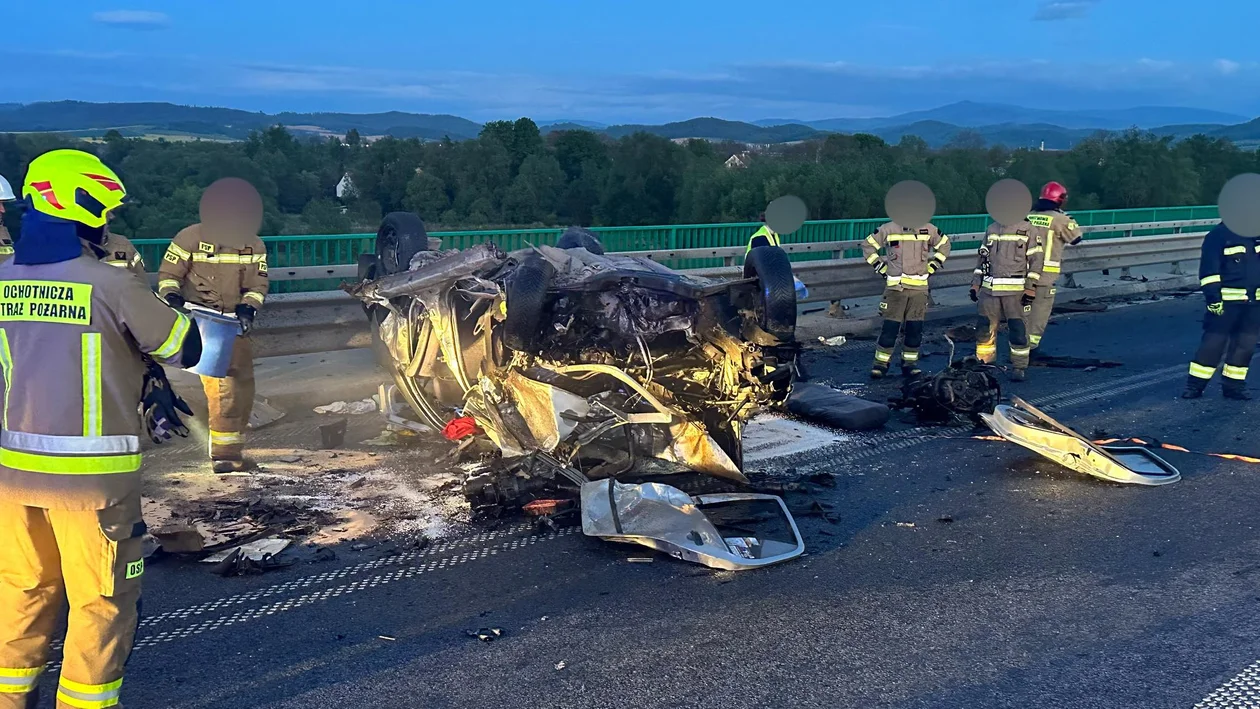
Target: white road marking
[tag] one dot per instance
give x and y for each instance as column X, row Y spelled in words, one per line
column 772, row 436
column 1241, row 692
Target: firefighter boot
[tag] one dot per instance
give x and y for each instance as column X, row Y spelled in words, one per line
column 884, row 348
column 1234, row 389
column 910, row 348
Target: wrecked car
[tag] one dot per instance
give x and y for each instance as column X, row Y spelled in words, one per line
column 577, row 364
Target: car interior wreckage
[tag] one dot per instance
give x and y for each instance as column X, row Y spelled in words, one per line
column 582, row 367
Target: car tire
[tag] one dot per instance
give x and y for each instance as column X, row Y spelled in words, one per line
column 526, row 297
column 777, row 309
column 401, row 236
column 576, row 237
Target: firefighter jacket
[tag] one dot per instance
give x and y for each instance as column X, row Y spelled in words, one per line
column 1229, row 266
column 206, row 272
column 911, row 255
column 1010, row 259
column 72, row 335
column 6, row 245
column 118, row 251
column 765, row 236
column 1054, row 230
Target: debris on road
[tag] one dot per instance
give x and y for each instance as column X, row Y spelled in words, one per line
column 836, row 341
column 1064, row 362
column 387, row 637
column 263, row 414
column 945, row 519
column 905, row 524
column 254, row 551
column 560, row 665
column 353, row 408
column 179, row 539
column 458, row 429
column 734, row 531
column 835, row 408
column 1023, row 424
column 1080, row 306
column 967, row 388
column 333, row 435
column 486, row 635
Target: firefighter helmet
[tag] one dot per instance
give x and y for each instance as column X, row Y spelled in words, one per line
column 1055, row 192
column 73, row 185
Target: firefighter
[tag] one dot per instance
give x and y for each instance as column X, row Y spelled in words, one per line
column 1007, row 274
column 221, row 264
column 1229, row 273
column 73, row 333
column 910, row 257
column 765, row 236
column 6, row 195
column 1054, row 230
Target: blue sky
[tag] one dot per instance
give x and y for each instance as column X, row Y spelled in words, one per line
column 649, row 60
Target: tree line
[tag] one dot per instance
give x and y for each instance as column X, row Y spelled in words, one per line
column 513, row 175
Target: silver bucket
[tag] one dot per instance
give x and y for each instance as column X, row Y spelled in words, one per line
column 218, row 337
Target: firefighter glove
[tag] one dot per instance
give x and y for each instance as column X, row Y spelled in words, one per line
column 175, row 300
column 245, row 313
column 1027, row 300
column 931, row 267
column 1216, row 308
column 160, row 406
column 975, row 298
column 881, row 268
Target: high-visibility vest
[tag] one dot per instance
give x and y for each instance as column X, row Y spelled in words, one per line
column 765, row 232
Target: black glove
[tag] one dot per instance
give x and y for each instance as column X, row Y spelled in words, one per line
column 975, row 297
column 932, row 266
column 175, row 300
column 880, row 267
column 1027, row 300
column 160, row 406
column 245, row 313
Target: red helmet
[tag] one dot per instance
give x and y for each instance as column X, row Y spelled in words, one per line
column 1055, row 192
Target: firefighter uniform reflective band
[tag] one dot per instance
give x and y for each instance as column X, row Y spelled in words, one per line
column 18, row 680
column 1200, row 371
column 89, row 696
column 1239, row 373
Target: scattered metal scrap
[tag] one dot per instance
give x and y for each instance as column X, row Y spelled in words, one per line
column 966, row 389
column 1022, row 423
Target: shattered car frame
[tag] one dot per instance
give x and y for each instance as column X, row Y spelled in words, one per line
column 576, row 361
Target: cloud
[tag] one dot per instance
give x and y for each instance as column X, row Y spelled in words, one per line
column 1227, row 67
column 1056, row 10
column 133, row 19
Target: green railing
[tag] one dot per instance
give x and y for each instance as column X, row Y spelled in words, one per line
column 323, row 250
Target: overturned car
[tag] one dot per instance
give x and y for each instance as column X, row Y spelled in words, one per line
column 579, row 365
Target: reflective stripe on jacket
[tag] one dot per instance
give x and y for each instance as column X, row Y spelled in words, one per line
column 1010, row 259
column 211, row 274
column 908, row 253
column 1229, row 266
column 120, row 252
column 72, row 377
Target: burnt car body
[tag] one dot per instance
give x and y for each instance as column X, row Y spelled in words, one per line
column 595, row 365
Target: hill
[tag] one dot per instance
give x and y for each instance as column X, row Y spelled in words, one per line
column 718, row 129
column 972, row 114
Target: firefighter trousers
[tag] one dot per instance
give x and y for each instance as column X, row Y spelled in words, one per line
column 902, row 310
column 994, row 308
column 231, row 399
column 1039, row 317
column 1231, row 335
column 94, row 559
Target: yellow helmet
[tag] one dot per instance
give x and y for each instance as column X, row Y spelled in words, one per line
column 73, row 185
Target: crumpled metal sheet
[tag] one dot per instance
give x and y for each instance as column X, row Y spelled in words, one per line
column 1032, row 429
column 543, row 407
column 437, row 273
column 667, row 519
column 577, row 266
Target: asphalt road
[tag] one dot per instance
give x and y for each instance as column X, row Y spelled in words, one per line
column 1047, row 588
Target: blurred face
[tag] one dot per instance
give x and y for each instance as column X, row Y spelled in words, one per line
column 1, row 208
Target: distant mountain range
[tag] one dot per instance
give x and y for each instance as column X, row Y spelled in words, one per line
column 995, row 124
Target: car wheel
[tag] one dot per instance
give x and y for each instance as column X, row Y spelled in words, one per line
column 576, row 237
column 526, row 296
column 401, row 236
column 777, row 307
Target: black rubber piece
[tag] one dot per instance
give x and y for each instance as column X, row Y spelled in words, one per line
column 835, row 408
column 369, row 265
column 401, row 236
column 576, row 237
column 526, row 298
column 770, row 265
